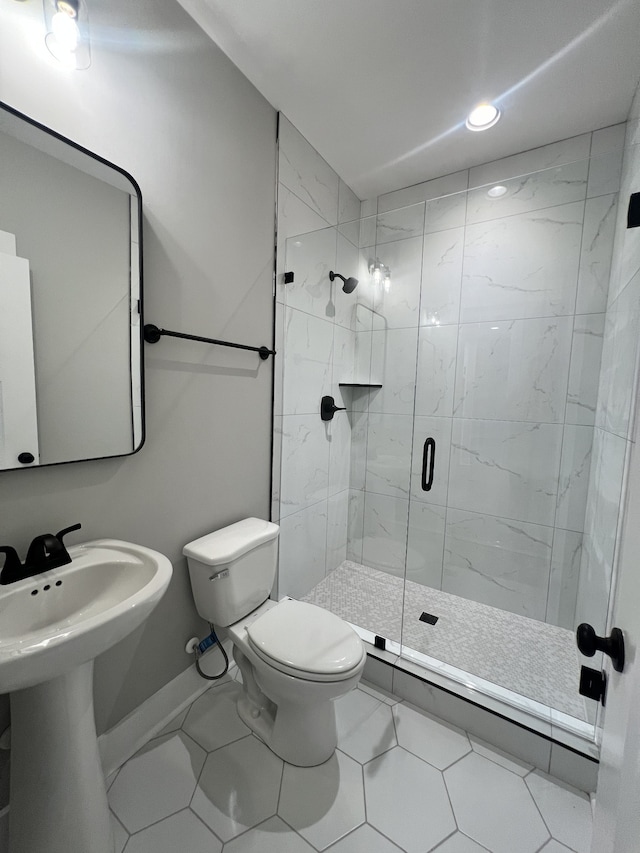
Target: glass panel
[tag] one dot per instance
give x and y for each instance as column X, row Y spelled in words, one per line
column 335, row 345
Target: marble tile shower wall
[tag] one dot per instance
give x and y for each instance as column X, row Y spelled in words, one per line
column 315, row 344
column 503, row 300
column 616, row 404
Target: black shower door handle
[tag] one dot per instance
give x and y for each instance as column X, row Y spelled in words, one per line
column 428, row 461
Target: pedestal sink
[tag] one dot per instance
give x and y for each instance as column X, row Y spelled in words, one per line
column 52, row 627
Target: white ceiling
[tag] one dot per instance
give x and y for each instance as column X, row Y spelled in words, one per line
column 382, row 87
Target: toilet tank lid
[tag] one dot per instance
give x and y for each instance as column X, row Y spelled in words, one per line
column 229, row 543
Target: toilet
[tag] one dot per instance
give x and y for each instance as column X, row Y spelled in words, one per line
column 296, row 658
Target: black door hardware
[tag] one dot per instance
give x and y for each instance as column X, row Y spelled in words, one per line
column 26, row 458
column 428, row 461
column 589, row 644
column 328, row 408
column 593, row 684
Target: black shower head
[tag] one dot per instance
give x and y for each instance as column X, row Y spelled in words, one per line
column 349, row 285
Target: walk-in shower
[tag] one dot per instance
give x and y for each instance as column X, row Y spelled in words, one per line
column 462, row 510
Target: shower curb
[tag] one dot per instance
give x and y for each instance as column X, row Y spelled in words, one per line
column 565, row 763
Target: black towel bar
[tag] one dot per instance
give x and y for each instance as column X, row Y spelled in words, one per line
column 152, row 335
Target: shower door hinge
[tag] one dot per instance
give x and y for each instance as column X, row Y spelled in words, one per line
column 633, row 211
column 593, row 684
column 380, row 643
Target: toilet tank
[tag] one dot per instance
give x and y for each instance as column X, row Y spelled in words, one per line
column 233, row 569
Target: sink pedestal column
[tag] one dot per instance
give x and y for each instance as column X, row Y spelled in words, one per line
column 58, row 796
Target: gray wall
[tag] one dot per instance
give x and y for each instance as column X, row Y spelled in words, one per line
column 165, row 104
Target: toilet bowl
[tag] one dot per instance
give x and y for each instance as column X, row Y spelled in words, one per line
column 296, row 658
column 290, row 683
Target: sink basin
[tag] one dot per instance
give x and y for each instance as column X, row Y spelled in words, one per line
column 52, row 627
column 61, row 618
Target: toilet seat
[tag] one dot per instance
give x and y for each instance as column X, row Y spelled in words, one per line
column 305, row 641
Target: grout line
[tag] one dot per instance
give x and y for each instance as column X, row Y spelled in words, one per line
column 115, row 817
column 280, row 788
column 293, row 829
column 440, row 844
column 364, row 794
column 457, row 417
column 155, row 822
column 247, row 830
column 539, row 812
column 206, row 826
column 446, row 787
column 461, row 757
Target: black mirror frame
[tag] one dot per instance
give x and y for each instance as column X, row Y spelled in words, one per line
column 138, row 193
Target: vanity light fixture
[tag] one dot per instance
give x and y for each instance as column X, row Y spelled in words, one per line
column 67, row 38
column 482, row 117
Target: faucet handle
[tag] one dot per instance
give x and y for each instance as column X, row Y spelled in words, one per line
column 66, row 530
column 12, row 569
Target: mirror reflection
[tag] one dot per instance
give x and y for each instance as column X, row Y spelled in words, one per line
column 70, row 301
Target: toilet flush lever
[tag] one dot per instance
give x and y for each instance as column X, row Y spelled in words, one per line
column 223, row 574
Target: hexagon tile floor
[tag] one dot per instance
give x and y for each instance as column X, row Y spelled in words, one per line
column 400, row 780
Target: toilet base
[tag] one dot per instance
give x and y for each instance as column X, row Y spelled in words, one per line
column 302, row 729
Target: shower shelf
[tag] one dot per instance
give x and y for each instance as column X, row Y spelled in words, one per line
column 359, row 385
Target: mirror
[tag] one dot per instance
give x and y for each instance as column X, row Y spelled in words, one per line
column 70, row 301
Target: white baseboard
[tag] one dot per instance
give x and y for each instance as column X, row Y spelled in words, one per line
column 130, row 734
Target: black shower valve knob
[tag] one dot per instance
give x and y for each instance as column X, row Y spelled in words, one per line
column 328, row 408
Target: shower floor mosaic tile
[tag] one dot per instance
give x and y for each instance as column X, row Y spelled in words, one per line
column 528, row 657
column 401, row 781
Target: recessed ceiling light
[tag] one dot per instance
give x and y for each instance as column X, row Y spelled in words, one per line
column 482, row 117
column 497, row 191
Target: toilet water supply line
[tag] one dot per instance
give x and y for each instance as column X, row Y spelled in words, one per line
column 200, row 647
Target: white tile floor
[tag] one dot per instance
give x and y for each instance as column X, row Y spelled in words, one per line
column 399, row 781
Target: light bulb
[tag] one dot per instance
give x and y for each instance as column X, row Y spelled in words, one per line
column 375, row 270
column 65, row 30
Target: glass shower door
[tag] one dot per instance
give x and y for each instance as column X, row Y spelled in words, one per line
column 511, row 322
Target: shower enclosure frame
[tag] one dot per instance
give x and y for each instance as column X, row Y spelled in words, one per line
column 395, row 219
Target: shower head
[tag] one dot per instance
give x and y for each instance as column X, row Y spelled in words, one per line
column 349, row 285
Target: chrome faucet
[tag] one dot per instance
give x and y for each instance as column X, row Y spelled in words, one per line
column 45, row 552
